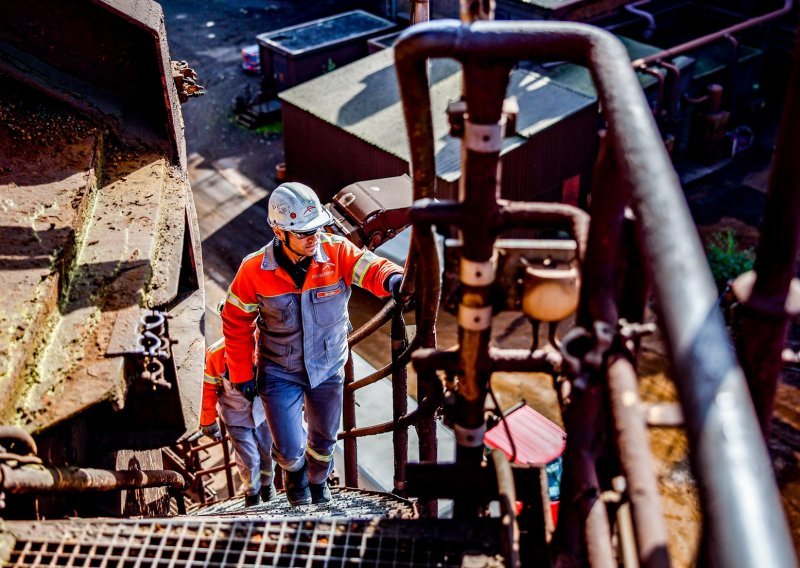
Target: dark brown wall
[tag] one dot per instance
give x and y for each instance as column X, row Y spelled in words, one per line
column 304, row 67
column 537, row 169
column 327, row 158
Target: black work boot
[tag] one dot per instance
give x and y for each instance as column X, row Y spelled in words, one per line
column 297, row 491
column 252, row 500
column 320, row 493
column 267, row 492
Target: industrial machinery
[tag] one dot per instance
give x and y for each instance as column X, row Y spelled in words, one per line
column 111, row 346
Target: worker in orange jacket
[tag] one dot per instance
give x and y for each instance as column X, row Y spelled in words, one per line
column 246, row 424
column 297, row 289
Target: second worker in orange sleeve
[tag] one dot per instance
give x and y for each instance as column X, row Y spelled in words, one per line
column 297, row 289
column 246, row 423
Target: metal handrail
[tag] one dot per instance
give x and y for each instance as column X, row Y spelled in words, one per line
column 738, row 494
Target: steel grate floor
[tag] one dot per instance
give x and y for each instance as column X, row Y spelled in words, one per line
column 311, row 542
column 345, row 502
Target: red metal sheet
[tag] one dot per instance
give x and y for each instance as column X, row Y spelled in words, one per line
column 537, row 439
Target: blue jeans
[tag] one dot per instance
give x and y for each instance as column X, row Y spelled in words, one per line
column 292, row 446
column 252, row 455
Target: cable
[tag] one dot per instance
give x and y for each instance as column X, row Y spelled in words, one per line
column 513, row 457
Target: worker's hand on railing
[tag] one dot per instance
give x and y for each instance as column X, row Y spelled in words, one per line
column 394, row 287
column 212, row 431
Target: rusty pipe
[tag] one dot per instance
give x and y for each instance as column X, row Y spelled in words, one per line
column 400, row 361
column 420, row 11
column 583, row 531
column 764, row 320
column 546, row 215
column 710, row 38
column 349, row 423
column 508, row 501
column 400, row 344
column 381, row 428
column 473, row 10
column 374, row 323
column 673, row 88
column 502, row 360
column 637, row 463
column 609, row 195
column 226, row 457
column 485, row 84
column 40, row 479
column 510, row 214
column 426, row 409
column 660, row 91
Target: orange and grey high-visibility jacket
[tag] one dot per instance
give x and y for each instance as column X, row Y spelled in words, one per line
column 219, row 395
column 300, row 329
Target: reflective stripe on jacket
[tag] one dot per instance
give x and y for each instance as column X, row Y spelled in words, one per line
column 220, row 397
column 299, row 328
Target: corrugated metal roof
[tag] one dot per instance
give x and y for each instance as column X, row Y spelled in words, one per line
column 363, row 99
column 314, row 35
column 536, row 439
column 579, row 79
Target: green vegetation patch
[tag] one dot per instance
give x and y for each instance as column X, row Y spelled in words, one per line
column 726, row 259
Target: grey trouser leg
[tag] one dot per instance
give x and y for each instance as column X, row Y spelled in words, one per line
column 248, row 457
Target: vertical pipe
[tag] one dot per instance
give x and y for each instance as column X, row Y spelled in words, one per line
column 399, row 402
column 428, row 286
column 609, row 195
column 226, row 459
column 583, row 531
column 426, row 431
column 637, row 464
column 348, row 423
column 484, row 91
column 420, row 11
column 764, row 322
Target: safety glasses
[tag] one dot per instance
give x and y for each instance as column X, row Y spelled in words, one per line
column 305, row 234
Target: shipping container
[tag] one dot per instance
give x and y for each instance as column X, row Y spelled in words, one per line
column 292, row 55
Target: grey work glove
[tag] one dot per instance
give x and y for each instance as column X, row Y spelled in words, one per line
column 212, row 430
column 393, row 284
column 249, row 389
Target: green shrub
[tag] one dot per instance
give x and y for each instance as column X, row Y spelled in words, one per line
column 726, row 259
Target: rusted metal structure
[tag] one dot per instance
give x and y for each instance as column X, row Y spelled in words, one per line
column 102, row 320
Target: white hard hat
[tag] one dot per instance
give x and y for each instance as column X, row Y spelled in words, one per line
column 295, row 207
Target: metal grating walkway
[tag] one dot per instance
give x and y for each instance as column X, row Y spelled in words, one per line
column 346, row 502
column 229, row 542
